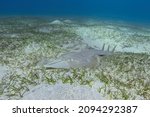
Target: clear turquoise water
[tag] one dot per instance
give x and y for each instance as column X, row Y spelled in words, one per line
column 128, row 10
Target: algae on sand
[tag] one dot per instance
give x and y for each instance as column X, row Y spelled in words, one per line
column 24, row 42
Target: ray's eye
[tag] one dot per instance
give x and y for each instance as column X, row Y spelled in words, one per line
column 101, row 55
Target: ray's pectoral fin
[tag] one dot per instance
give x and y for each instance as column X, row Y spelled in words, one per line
column 58, row 64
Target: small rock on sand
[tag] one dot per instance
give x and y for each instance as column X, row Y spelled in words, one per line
column 57, row 22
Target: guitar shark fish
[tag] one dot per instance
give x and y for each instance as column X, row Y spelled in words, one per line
column 87, row 57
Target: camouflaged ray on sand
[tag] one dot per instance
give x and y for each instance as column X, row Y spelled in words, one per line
column 87, row 57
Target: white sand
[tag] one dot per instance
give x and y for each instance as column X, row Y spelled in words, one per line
column 61, row 91
column 126, row 39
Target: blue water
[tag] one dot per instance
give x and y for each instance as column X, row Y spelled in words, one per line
column 128, row 10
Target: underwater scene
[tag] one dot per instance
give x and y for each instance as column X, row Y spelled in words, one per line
column 73, row 56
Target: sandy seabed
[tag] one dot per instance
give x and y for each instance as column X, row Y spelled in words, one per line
column 27, row 42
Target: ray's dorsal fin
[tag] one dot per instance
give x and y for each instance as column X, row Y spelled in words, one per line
column 114, row 48
column 103, row 46
column 108, row 48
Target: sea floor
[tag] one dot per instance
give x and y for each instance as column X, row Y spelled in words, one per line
column 26, row 41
